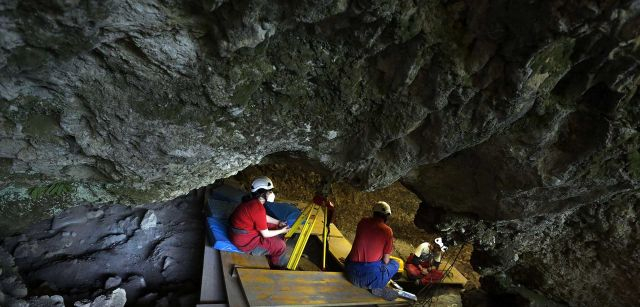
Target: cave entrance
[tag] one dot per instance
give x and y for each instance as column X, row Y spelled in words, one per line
column 297, row 178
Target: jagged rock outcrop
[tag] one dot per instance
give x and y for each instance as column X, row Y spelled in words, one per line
column 117, row 298
column 107, row 255
column 585, row 256
column 12, row 288
column 503, row 112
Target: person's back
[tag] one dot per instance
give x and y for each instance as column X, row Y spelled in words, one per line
column 249, row 216
column 373, row 239
column 369, row 265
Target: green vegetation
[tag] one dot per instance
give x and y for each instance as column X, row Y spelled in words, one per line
column 133, row 195
column 54, row 189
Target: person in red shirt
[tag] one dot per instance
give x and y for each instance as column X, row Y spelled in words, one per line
column 422, row 265
column 368, row 264
column 255, row 232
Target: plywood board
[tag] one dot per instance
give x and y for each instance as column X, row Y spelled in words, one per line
column 230, row 263
column 245, row 260
column 285, row 288
column 454, row 277
column 339, row 248
column 212, row 287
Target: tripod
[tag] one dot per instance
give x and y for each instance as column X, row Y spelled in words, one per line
column 305, row 224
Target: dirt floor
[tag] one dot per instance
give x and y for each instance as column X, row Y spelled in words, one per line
column 293, row 183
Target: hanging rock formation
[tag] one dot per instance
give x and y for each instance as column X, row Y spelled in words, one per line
column 515, row 121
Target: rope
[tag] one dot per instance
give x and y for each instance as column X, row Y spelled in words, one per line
column 429, row 300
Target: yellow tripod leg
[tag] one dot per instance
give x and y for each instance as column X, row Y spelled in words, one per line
column 302, row 240
column 325, row 234
column 303, row 217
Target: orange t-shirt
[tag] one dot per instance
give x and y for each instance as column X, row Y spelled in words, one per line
column 373, row 239
column 250, row 216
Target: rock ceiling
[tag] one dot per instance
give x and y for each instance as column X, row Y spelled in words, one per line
column 514, row 121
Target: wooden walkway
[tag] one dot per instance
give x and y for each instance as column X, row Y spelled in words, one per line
column 287, row 288
column 235, row 279
column 339, row 248
column 231, row 263
column 248, row 281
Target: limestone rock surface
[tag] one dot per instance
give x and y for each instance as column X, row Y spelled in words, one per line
column 82, row 268
column 510, row 119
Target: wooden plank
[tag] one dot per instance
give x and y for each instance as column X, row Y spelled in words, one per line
column 212, row 287
column 245, row 260
column 231, row 261
column 339, row 246
column 284, row 288
column 454, row 277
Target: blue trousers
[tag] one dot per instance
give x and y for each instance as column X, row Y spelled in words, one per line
column 371, row 275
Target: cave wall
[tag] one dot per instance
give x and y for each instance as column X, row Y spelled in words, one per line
column 489, row 110
column 585, row 256
column 149, row 255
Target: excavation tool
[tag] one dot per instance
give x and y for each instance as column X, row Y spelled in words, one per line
column 305, row 224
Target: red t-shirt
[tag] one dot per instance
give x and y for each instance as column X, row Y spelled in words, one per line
column 373, row 239
column 250, row 216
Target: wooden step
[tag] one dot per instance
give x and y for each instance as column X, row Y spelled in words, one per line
column 231, row 262
column 285, row 288
column 212, row 286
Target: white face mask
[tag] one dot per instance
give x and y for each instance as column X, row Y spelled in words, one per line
column 271, row 197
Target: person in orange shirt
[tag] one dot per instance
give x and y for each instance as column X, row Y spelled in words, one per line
column 255, row 232
column 368, row 264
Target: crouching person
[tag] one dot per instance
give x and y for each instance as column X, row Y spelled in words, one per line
column 368, row 264
column 253, row 231
column 422, row 265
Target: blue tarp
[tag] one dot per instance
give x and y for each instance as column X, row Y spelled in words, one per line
column 283, row 211
column 218, row 227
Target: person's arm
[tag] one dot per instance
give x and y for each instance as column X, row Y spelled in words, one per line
column 271, row 220
column 388, row 248
column 425, row 271
column 262, row 220
column 386, row 258
column 272, row 233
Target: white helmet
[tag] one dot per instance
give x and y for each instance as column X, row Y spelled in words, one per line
column 261, row 183
column 424, row 248
column 382, row 207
